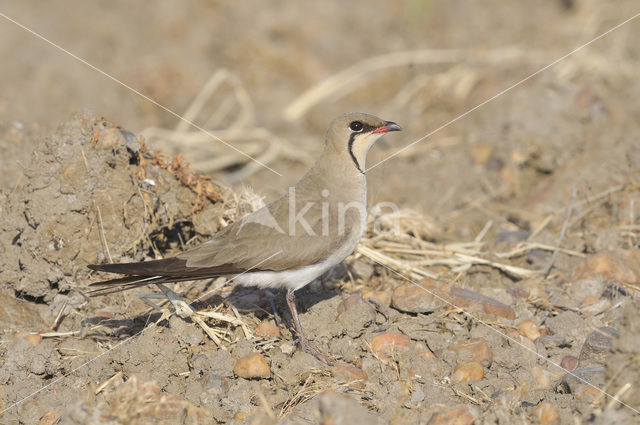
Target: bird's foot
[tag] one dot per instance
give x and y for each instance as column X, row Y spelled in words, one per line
column 309, row 348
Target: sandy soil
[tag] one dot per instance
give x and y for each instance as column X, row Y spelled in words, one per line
column 559, row 151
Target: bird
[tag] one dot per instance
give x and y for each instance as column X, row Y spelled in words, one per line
column 289, row 242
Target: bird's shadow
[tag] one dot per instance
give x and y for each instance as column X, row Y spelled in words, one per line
column 262, row 302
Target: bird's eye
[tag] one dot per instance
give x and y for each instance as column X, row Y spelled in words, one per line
column 356, row 126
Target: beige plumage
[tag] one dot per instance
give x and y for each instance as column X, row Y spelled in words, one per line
column 291, row 241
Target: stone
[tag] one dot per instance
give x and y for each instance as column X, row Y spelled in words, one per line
column 50, row 418
column 568, row 324
column 620, row 265
column 597, row 346
column 267, row 329
column 32, row 339
column 354, row 314
column 529, row 329
column 388, row 342
column 287, row 348
column 593, row 305
column 475, row 349
column 340, row 409
column 574, row 382
column 348, row 373
column 480, row 152
column 478, row 303
column 591, row 286
column 551, row 341
column 426, row 297
column 543, row 378
column 467, row 371
column 462, row 415
column 569, row 363
column 252, row 366
column 382, row 297
column 362, row 269
column 546, row 414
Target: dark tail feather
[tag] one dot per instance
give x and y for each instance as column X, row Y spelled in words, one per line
column 153, row 272
column 164, row 267
column 129, row 282
column 122, row 284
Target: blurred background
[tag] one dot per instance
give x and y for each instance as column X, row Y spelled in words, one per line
column 518, row 166
column 268, row 77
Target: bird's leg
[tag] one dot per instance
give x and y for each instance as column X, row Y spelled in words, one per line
column 304, row 343
column 146, row 297
column 182, row 308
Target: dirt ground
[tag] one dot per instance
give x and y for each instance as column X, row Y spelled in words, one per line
column 524, row 213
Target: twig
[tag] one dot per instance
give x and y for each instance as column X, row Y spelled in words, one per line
column 58, row 318
column 108, row 382
column 540, row 227
column 617, row 396
column 212, row 334
column 221, row 317
column 529, row 246
column 484, row 231
column 245, row 328
column 562, row 232
column 103, row 237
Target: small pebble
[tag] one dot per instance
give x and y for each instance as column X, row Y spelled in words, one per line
column 32, row 339
column 551, row 341
column 287, row 348
column 362, row 269
column 475, row 349
column 475, row 302
column 267, row 329
column 593, row 305
column 354, row 314
column 590, row 287
column 480, row 152
column 529, row 329
column 348, row 372
column 467, row 371
column 426, row 298
column 594, row 375
column 546, row 414
column 518, row 293
column 617, row 265
column 569, row 363
column 388, row 342
column 252, row 366
column 382, row 297
column 50, row 418
column 596, row 347
column 462, row 415
column 542, row 378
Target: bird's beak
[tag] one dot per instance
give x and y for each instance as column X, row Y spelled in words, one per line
column 387, row 127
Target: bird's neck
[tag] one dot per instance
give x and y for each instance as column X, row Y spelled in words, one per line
column 337, row 173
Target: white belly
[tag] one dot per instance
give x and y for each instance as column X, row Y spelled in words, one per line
column 296, row 279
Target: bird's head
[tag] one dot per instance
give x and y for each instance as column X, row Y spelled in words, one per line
column 355, row 134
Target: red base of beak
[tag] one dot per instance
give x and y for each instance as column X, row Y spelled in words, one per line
column 382, row 129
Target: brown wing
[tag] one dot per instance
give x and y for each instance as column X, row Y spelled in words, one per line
column 261, row 241
column 265, row 240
